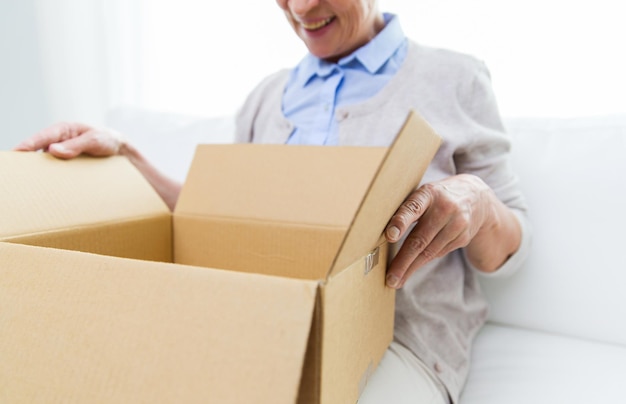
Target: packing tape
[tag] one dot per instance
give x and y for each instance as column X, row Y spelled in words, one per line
column 371, row 260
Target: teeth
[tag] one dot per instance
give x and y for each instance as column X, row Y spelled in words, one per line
column 318, row 24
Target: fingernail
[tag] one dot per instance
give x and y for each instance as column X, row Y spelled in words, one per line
column 393, row 233
column 58, row 147
column 393, row 281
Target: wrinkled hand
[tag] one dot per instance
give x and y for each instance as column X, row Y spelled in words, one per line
column 68, row 140
column 448, row 213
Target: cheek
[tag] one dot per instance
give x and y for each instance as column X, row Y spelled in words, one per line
column 282, row 4
column 355, row 14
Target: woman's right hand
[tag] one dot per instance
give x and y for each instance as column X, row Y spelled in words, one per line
column 68, row 140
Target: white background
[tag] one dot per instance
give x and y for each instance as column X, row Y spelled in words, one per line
column 77, row 59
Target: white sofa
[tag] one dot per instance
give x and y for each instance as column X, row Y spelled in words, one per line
column 557, row 329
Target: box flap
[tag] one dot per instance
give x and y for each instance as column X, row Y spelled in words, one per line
column 314, row 185
column 93, row 328
column 43, row 194
column 358, row 316
column 401, row 171
column 279, row 249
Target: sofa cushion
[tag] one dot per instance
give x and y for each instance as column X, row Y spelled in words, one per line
column 516, row 366
column 572, row 173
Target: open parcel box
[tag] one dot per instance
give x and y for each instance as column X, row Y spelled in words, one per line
column 299, row 312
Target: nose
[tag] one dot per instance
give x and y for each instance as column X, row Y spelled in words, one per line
column 302, row 7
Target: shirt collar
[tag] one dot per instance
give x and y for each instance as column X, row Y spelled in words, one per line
column 372, row 56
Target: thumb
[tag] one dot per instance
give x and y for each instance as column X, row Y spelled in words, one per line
column 96, row 142
column 66, row 150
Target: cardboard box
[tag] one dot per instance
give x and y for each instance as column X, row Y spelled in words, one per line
column 267, row 288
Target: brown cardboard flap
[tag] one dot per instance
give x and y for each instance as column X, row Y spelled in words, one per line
column 295, row 184
column 401, row 171
column 102, row 329
column 43, row 194
column 280, row 249
column 358, row 315
column 145, row 238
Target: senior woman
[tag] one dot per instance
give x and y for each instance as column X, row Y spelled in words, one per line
column 355, row 87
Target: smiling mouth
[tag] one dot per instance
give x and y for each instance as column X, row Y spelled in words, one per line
column 317, row 25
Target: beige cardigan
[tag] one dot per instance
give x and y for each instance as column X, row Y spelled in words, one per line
column 441, row 307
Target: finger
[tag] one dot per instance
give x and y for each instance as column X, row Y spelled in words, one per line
column 439, row 248
column 417, row 243
column 53, row 134
column 453, row 236
column 408, row 213
column 43, row 138
column 65, row 150
column 93, row 142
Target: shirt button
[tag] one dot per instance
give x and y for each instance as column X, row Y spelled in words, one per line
column 326, row 107
column 438, row 368
column 341, row 115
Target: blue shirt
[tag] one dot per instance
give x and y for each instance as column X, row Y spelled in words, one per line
column 316, row 88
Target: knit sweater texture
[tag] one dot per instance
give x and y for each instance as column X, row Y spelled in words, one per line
column 440, row 308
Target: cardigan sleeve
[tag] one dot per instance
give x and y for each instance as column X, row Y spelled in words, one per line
column 486, row 154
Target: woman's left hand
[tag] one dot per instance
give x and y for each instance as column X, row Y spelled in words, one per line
column 459, row 211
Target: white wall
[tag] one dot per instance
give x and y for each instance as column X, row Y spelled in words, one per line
column 76, row 59
column 22, row 100
column 547, row 57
